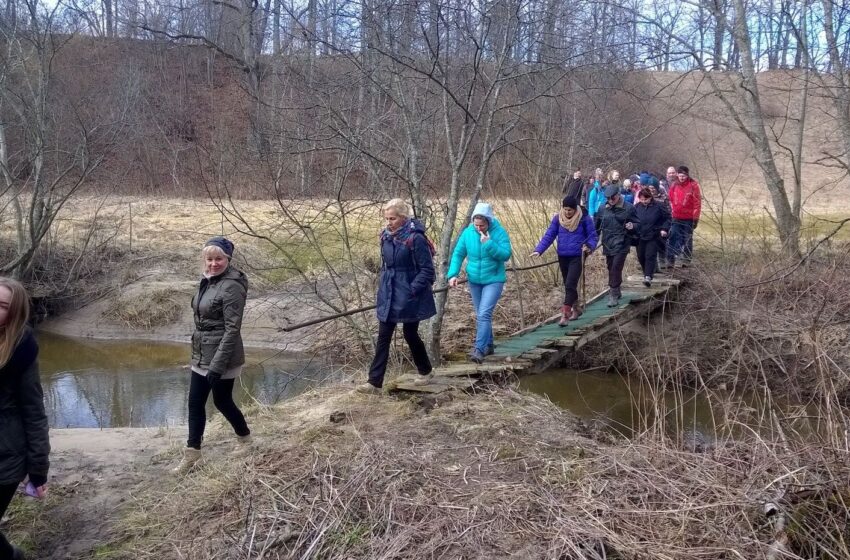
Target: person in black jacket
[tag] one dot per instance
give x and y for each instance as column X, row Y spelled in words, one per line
column 654, row 224
column 24, row 443
column 616, row 222
column 575, row 186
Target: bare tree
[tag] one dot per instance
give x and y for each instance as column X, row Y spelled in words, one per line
column 42, row 164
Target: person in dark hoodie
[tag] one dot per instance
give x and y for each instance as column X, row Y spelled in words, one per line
column 615, row 223
column 654, row 224
column 404, row 292
column 576, row 238
column 23, row 423
column 217, row 351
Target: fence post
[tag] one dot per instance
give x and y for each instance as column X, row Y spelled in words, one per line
column 519, row 293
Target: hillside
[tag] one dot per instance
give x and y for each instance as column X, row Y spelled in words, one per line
column 186, row 120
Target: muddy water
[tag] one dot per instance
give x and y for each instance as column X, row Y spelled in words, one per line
column 96, row 383
column 615, row 403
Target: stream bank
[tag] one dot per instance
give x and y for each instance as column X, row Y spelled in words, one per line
column 500, row 474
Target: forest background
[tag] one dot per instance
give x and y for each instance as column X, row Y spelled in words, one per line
column 290, row 122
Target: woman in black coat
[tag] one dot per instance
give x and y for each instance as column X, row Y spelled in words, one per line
column 654, row 224
column 24, row 444
column 404, row 291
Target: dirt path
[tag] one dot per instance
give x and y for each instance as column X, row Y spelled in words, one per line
column 93, row 473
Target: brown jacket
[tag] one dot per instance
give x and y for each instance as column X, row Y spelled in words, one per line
column 218, row 307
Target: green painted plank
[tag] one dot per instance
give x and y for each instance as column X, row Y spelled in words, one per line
column 595, row 315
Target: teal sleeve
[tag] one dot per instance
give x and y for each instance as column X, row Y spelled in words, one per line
column 499, row 246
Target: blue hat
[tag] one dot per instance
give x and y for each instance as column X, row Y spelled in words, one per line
column 611, row 190
column 222, row 243
column 644, row 178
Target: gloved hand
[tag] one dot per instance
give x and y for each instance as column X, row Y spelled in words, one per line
column 213, row 377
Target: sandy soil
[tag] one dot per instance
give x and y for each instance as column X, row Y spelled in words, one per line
column 264, row 316
column 93, row 474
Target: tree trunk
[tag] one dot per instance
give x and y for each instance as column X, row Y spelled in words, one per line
column 787, row 223
column 719, row 30
column 841, row 89
column 110, row 20
column 276, row 29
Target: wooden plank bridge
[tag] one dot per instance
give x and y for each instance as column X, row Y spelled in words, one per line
column 541, row 346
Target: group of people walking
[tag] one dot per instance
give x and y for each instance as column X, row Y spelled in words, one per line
column 657, row 216
column 659, row 223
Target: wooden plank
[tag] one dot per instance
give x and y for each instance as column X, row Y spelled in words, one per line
column 667, row 280
column 437, row 385
column 568, row 341
column 630, row 314
column 471, row 372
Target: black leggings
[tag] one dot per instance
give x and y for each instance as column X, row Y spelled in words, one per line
column 647, row 253
column 222, row 391
column 7, row 492
column 571, row 272
column 382, row 351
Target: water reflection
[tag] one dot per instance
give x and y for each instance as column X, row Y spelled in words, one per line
column 94, row 383
column 630, row 406
column 621, row 405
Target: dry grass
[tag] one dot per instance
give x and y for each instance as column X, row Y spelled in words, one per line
column 498, row 475
column 153, row 309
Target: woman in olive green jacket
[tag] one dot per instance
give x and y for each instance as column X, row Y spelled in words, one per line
column 217, row 352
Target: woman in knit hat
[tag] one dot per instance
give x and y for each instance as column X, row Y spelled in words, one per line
column 576, row 238
column 217, row 351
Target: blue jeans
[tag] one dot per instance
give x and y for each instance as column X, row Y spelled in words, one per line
column 484, row 299
column 681, row 241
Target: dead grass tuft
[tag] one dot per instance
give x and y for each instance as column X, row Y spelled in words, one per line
column 157, row 308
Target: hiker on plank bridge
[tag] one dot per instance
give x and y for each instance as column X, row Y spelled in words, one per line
column 486, row 247
column 576, row 239
column 404, row 292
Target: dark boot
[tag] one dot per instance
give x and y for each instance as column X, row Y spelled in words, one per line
column 613, row 297
column 566, row 311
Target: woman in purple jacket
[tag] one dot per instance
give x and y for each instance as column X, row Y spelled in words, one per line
column 576, row 239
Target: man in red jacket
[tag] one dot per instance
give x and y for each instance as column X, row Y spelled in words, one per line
column 685, row 205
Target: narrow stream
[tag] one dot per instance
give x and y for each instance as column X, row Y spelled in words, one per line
column 628, row 407
column 613, row 402
column 102, row 384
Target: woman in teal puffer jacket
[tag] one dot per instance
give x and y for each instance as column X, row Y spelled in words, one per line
column 486, row 246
